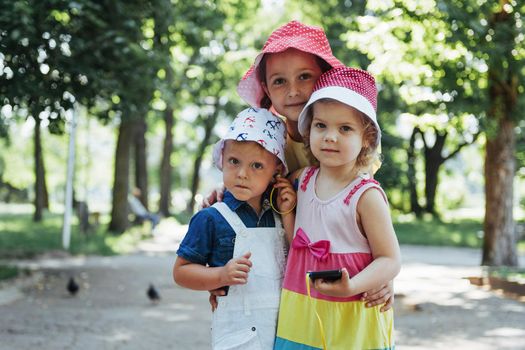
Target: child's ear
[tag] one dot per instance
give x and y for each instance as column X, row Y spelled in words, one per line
column 265, row 88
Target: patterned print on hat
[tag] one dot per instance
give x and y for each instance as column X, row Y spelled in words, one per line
column 354, row 79
column 351, row 86
column 294, row 34
column 258, row 125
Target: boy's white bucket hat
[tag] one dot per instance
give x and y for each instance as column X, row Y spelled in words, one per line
column 258, row 125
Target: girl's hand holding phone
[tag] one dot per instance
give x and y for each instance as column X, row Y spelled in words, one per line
column 338, row 288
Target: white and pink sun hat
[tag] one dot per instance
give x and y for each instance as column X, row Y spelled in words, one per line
column 296, row 35
column 258, row 125
column 351, row 86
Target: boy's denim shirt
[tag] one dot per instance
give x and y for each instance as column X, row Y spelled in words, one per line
column 210, row 239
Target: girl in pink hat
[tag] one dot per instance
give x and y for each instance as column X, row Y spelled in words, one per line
column 342, row 224
column 283, row 76
column 282, row 79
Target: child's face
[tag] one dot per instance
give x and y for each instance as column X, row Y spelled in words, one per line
column 248, row 170
column 336, row 134
column 290, row 79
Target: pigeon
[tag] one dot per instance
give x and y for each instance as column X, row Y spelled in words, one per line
column 72, row 286
column 152, row 293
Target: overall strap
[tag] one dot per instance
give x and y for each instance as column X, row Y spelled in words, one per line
column 230, row 216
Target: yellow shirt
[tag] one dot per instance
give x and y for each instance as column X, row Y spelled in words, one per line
column 296, row 155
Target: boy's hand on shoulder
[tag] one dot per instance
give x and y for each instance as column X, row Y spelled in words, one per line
column 236, row 270
column 215, row 196
column 383, row 295
column 340, row 288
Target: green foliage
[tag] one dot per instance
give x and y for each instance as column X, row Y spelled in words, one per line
column 199, row 81
column 32, row 43
column 493, row 33
column 56, row 52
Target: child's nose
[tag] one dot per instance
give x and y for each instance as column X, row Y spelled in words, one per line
column 242, row 173
column 294, row 90
column 330, row 136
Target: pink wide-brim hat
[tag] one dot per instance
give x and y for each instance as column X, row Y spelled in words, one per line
column 354, row 87
column 296, row 35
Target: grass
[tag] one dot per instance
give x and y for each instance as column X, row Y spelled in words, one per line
column 459, row 232
column 431, row 231
column 20, row 237
column 7, row 272
column 508, row 273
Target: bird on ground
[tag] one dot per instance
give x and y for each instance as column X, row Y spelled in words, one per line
column 152, row 293
column 72, row 286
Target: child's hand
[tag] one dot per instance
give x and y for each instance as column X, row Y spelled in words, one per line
column 214, row 293
column 340, row 288
column 236, row 270
column 382, row 295
column 287, row 197
column 215, row 196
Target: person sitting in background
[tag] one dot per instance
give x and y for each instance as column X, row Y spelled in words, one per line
column 139, row 210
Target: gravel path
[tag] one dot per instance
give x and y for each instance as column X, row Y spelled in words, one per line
column 436, row 308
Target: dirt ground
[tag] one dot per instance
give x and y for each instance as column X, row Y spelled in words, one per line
column 436, row 308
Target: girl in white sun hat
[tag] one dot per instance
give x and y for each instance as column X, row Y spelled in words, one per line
column 239, row 244
column 342, row 223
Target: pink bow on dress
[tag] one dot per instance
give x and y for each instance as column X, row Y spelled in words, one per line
column 319, row 249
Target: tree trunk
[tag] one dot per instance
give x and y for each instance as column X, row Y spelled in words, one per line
column 39, row 200
column 499, row 244
column 411, row 174
column 208, row 128
column 433, row 162
column 141, row 168
column 165, row 164
column 119, row 212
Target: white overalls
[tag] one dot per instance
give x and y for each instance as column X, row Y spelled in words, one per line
column 247, row 317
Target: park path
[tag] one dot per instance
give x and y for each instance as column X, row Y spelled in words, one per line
column 436, row 308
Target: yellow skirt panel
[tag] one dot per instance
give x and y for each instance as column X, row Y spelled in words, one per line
column 347, row 325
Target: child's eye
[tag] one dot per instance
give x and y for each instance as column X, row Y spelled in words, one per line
column 305, row 76
column 346, row 128
column 320, row 125
column 257, row 165
column 278, row 81
column 233, row 161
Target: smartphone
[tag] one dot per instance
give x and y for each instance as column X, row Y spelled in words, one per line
column 327, row 275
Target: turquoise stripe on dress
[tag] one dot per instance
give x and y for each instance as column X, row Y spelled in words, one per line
column 283, row 344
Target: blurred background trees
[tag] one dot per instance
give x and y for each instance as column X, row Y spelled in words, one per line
column 153, row 84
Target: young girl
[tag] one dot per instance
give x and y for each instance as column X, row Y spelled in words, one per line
column 342, row 222
column 282, row 79
column 283, row 76
column 239, row 244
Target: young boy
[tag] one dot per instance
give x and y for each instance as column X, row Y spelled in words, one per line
column 239, row 243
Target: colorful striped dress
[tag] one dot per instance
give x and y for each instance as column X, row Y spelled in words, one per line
column 327, row 237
